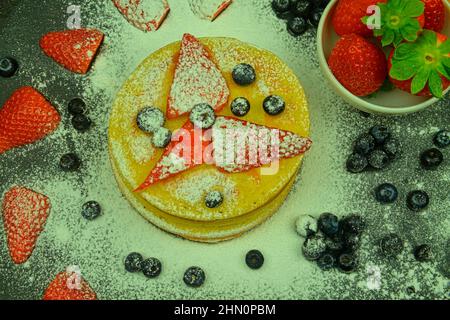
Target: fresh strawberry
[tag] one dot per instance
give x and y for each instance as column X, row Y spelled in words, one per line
column 197, row 80
column 146, row 15
column 359, row 65
column 422, row 67
column 25, row 118
column 400, row 20
column 69, row 286
column 348, row 15
column 205, row 146
column 24, row 215
column 73, row 49
column 434, row 15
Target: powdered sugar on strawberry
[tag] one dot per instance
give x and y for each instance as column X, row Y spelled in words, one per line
column 197, row 80
column 146, row 15
column 209, row 9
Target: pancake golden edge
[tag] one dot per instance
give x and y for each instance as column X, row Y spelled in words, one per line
column 251, row 197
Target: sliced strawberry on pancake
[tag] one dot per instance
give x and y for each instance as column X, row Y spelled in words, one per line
column 234, row 145
column 146, row 15
column 197, row 80
column 240, row 146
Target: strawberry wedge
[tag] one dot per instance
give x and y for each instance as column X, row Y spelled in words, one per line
column 75, row 50
column 69, row 286
column 25, row 118
column 209, row 9
column 232, row 145
column 24, row 214
column 196, row 80
column 146, row 15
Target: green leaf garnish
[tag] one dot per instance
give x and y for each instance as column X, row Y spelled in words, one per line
column 398, row 21
column 425, row 62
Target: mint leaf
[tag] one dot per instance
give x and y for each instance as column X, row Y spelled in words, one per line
column 435, row 84
column 420, row 80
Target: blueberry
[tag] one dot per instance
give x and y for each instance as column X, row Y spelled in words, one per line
column 357, row 163
column 150, row 119
column 133, row 262
column 162, row 137
column 431, row 159
column 378, row 159
column 81, row 123
column 347, row 262
column 353, row 224
column 442, row 139
column 365, row 144
column 69, row 162
column 326, row 261
column 314, row 17
column 392, row 147
column 274, row 105
column 254, row 259
column 151, row 268
column 214, row 199
column 352, row 242
column 417, row 200
column 296, row 26
column 281, row 8
column 203, row 116
column 329, row 224
column 194, row 277
column 91, row 210
column 335, row 245
column 240, row 107
column 391, row 245
column 302, row 8
column 423, row 253
column 8, row 67
column 77, row 106
column 244, row 74
column 306, row 226
column 386, row 193
column 313, row 247
column 380, row 133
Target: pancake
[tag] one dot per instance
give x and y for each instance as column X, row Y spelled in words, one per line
column 177, row 204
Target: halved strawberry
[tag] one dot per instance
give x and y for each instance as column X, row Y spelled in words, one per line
column 197, row 80
column 26, row 117
column 434, row 15
column 422, row 67
column 146, row 15
column 69, row 286
column 348, row 15
column 73, row 49
column 209, row 9
column 262, row 145
column 24, row 215
column 400, row 20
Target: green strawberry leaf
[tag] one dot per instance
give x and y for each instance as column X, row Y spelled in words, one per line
column 404, row 51
column 435, row 84
column 398, row 21
column 420, row 80
column 404, row 69
column 443, row 71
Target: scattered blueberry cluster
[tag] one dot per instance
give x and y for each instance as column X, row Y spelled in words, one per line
column 8, row 67
column 80, row 121
column 376, row 150
column 193, row 277
column 330, row 242
column 151, row 120
column 300, row 14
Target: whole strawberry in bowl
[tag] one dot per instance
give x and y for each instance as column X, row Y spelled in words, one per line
column 405, row 41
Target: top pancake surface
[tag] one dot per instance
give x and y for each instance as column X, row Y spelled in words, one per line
column 183, row 196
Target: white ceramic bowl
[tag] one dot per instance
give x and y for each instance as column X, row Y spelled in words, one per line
column 394, row 102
